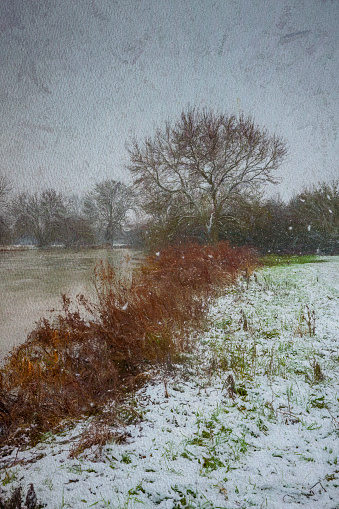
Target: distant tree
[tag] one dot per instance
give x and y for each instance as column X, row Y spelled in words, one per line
column 262, row 223
column 5, row 189
column 270, row 231
column 39, row 215
column 192, row 171
column 5, row 232
column 314, row 218
column 107, row 206
column 76, row 229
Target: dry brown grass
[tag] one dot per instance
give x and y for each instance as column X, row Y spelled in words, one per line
column 73, row 366
column 94, row 438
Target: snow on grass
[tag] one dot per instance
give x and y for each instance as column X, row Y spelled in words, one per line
column 251, row 418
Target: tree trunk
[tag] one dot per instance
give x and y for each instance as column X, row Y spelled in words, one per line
column 213, row 234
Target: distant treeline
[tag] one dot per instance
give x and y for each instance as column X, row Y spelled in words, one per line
column 307, row 223
column 48, row 217
column 199, row 178
column 112, row 213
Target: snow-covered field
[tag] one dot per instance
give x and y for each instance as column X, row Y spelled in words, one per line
column 250, row 419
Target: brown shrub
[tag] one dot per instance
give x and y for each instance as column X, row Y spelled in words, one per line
column 74, row 365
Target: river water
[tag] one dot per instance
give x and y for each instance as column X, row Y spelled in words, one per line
column 32, row 282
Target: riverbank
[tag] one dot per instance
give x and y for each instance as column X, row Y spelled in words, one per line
column 82, row 356
column 250, row 418
column 33, row 281
column 25, row 247
column 16, row 248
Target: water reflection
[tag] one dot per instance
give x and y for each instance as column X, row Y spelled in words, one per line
column 32, row 282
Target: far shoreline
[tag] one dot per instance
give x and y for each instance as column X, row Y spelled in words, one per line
column 27, row 247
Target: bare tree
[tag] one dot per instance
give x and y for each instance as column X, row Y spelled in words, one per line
column 5, row 188
column 107, row 207
column 39, row 215
column 195, row 168
column 76, row 229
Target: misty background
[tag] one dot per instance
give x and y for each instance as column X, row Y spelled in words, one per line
column 78, row 79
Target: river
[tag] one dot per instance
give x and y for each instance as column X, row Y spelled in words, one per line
column 32, row 282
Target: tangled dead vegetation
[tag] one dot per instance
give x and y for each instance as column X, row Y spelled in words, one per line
column 73, row 365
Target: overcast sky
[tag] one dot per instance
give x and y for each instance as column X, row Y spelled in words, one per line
column 80, row 77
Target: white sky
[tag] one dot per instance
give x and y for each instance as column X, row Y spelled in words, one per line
column 78, row 78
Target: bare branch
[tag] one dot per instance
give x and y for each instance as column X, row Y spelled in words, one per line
column 207, row 159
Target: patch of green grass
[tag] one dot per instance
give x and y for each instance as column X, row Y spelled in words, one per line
column 187, row 455
column 75, row 469
column 212, row 463
column 313, row 426
column 273, row 260
column 318, row 402
column 188, row 498
column 9, row 477
column 241, row 391
column 307, row 459
column 262, row 426
column 125, row 458
column 274, row 333
column 49, row 483
column 136, row 490
column 223, row 324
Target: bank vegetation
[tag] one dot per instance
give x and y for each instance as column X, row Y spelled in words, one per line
column 96, row 351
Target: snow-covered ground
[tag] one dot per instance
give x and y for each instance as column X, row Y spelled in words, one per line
column 251, row 418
